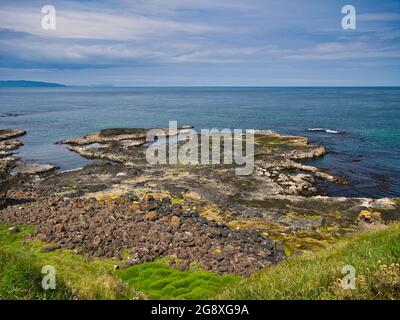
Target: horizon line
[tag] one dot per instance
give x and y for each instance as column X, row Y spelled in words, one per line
column 199, row 86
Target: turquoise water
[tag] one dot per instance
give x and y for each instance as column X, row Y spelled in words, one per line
column 363, row 139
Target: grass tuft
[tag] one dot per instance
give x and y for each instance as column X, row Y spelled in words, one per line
column 21, row 262
column 375, row 256
column 159, row 281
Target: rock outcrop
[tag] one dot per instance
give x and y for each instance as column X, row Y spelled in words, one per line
column 7, row 161
column 11, row 166
column 114, row 135
column 11, row 134
column 6, row 164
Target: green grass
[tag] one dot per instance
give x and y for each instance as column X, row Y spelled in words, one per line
column 21, row 279
column 374, row 255
column 159, row 281
column 21, row 262
column 86, row 279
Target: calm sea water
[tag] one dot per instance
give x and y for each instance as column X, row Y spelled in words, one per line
column 361, row 126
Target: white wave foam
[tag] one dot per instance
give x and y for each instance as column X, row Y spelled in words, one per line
column 323, row 130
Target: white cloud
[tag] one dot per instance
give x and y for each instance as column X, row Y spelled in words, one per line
column 172, row 6
column 100, row 25
column 343, row 51
column 152, row 31
column 386, row 16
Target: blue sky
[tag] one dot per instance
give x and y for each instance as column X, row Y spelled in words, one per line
column 202, row 42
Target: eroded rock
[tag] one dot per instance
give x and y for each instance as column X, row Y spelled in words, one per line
column 6, row 165
column 10, row 134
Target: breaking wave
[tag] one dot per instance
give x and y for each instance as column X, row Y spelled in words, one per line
column 324, row 130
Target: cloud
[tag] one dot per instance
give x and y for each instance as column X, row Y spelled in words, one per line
column 71, row 53
column 11, row 34
column 220, row 54
column 385, row 16
column 171, row 6
column 179, row 34
column 343, row 51
column 99, row 25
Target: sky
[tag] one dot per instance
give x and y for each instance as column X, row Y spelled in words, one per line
column 202, row 43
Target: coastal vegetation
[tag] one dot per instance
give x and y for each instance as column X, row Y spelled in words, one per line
column 74, row 277
column 375, row 255
column 159, row 281
column 22, row 258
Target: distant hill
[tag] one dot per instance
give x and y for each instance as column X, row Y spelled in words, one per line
column 27, row 84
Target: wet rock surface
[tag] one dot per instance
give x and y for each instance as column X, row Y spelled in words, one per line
column 6, row 134
column 6, row 166
column 7, row 161
column 8, row 143
column 31, row 168
column 11, row 165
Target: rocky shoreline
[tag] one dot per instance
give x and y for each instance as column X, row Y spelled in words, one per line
column 121, row 207
column 8, row 143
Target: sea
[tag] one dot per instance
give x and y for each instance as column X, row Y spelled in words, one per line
column 360, row 127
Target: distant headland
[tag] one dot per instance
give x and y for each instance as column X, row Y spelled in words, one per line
column 27, row 84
